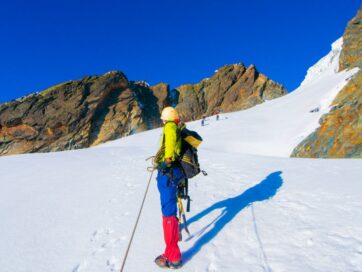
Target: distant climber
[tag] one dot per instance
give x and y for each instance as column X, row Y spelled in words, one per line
column 169, row 176
column 217, row 115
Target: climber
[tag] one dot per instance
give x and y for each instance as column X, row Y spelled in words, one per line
column 169, row 176
column 203, row 121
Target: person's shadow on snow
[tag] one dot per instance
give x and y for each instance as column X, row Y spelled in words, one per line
column 266, row 189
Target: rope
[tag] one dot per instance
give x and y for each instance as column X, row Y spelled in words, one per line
column 134, row 229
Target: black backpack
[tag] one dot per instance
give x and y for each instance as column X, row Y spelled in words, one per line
column 190, row 141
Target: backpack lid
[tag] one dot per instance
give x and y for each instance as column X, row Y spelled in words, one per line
column 189, row 136
column 193, row 140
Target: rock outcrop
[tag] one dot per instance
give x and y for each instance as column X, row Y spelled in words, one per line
column 96, row 109
column 351, row 55
column 232, row 88
column 340, row 131
column 76, row 114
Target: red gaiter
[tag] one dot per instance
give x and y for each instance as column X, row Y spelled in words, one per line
column 171, row 235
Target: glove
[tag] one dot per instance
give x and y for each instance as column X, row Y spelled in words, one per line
column 164, row 165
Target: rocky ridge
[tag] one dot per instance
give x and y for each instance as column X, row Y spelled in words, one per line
column 233, row 87
column 96, row 109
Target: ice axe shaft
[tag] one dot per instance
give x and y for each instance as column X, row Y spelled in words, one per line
column 183, row 216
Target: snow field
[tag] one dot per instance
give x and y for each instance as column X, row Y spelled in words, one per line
column 64, row 223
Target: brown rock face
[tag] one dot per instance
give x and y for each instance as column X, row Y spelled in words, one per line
column 75, row 114
column 351, row 56
column 161, row 92
column 340, row 131
column 231, row 88
column 97, row 109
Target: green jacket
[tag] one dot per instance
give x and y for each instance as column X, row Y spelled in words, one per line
column 171, row 141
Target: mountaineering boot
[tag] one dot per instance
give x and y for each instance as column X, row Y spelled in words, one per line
column 175, row 265
column 162, row 261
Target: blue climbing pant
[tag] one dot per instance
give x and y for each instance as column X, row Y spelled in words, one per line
column 167, row 183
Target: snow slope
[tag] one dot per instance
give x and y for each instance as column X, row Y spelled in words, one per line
column 257, row 210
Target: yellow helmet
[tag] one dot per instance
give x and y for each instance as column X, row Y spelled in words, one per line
column 169, row 114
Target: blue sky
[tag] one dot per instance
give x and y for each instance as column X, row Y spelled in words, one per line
column 44, row 43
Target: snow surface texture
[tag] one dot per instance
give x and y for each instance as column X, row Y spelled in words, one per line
column 257, row 210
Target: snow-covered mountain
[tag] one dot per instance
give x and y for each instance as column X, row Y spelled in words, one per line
column 257, row 210
column 339, row 133
column 277, row 126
